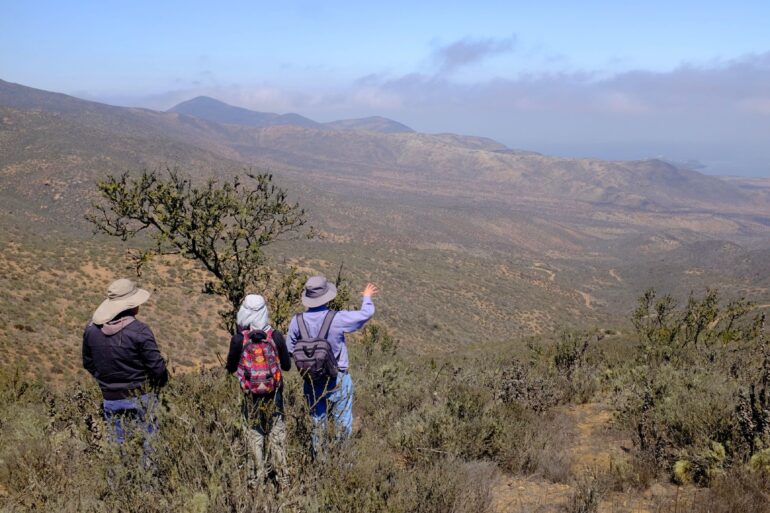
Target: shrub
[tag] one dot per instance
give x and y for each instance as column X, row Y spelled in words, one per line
column 419, row 445
column 697, row 396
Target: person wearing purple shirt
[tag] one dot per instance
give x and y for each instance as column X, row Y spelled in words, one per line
column 339, row 402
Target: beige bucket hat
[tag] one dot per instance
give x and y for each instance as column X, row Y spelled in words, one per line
column 122, row 295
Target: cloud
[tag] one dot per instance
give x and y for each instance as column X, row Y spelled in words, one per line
column 716, row 112
column 728, row 87
column 467, row 51
column 756, row 105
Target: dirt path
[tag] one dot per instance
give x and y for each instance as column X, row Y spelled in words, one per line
column 595, row 445
column 615, row 275
column 594, row 449
column 539, row 266
column 588, row 299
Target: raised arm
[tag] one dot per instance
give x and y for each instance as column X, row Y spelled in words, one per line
column 354, row 320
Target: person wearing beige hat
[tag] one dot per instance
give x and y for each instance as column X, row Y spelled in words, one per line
column 120, row 352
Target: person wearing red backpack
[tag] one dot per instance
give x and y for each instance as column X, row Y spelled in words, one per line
column 257, row 357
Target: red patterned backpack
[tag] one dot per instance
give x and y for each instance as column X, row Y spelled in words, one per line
column 259, row 372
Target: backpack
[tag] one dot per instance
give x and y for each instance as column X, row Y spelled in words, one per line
column 313, row 355
column 259, row 372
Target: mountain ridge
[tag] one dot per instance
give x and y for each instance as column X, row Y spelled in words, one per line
column 444, row 163
column 518, row 240
column 211, row 109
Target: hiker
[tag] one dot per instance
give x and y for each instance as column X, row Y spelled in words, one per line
column 328, row 388
column 257, row 356
column 120, row 352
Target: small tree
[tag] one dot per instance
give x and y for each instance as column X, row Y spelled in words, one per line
column 224, row 226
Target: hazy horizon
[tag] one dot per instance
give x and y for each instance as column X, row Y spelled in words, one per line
column 689, row 82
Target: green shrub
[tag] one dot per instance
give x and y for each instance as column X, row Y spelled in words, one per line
column 418, row 444
column 697, row 395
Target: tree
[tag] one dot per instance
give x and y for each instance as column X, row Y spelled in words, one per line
column 224, row 226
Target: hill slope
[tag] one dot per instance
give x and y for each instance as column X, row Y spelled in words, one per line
column 521, row 241
column 371, row 124
column 211, row 109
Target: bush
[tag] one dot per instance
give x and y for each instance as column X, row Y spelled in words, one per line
column 697, row 396
column 422, row 436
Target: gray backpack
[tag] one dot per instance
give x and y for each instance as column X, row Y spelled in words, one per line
column 313, row 355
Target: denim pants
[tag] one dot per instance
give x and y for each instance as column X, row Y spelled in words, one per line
column 131, row 417
column 335, row 400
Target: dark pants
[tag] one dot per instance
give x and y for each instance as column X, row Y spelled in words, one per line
column 317, row 396
column 261, row 412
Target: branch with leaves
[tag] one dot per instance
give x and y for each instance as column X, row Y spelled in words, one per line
column 224, row 226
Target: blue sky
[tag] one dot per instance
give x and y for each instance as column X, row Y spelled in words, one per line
column 681, row 79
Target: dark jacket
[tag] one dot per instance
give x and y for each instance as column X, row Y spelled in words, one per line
column 124, row 362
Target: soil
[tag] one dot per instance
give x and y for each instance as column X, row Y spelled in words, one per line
column 595, row 447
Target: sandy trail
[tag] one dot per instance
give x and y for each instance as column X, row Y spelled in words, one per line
column 615, row 275
column 587, row 299
column 594, row 449
column 540, row 267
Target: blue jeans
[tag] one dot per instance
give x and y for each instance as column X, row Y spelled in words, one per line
column 131, row 416
column 335, row 399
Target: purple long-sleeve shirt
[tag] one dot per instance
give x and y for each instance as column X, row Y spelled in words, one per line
column 346, row 321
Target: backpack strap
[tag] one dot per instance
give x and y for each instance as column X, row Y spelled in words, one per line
column 304, row 333
column 327, row 325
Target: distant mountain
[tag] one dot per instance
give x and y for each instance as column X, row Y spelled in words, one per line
column 204, row 107
column 693, row 164
column 211, row 109
column 46, row 135
column 517, row 239
column 372, row 124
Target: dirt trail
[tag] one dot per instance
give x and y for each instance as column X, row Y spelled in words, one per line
column 595, row 445
column 593, row 450
column 539, row 266
column 615, row 275
column 588, row 299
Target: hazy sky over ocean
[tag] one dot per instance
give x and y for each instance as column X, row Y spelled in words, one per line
column 684, row 80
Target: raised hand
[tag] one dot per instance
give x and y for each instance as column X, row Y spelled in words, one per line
column 370, row 290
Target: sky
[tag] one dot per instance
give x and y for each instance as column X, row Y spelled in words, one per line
column 683, row 80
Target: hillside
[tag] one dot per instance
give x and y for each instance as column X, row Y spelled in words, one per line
column 210, row 109
column 452, row 162
column 508, row 283
column 371, row 124
column 520, row 242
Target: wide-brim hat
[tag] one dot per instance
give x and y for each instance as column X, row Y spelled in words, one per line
column 122, row 295
column 318, row 291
